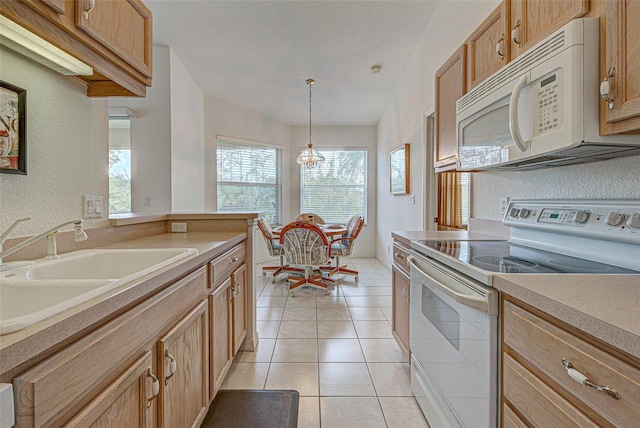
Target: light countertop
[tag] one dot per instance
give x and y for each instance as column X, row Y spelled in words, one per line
column 36, row 339
column 604, row 306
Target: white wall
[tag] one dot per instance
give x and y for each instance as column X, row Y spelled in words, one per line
column 67, row 149
column 187, row 140
column 228, row 120
column 338, row 137
column 403, row 121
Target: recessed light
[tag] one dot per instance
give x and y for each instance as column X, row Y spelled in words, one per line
column 376, row 69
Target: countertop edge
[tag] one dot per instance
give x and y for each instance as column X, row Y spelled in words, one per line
column 50, row 333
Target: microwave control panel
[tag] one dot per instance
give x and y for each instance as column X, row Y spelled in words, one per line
column 547, row 99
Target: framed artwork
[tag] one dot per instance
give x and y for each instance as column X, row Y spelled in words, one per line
column 399, row 170
column 13, row 142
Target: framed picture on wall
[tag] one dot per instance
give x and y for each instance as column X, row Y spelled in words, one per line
column 13, row 143
column 399, row 170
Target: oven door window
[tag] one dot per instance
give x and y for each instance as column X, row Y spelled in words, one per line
column 442, row 316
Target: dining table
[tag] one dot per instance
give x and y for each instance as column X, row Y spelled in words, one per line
column 330, row 230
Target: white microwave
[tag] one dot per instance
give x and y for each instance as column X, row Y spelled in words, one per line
column 540, row 110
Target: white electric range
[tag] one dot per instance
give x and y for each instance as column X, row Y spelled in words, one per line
column 454, row 311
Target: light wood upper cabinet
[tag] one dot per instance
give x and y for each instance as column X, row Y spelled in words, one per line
column 184, row 370
column 451, row 84
column 114, row 38
column 532, row 20
column 124, row 27
column 488, row 47
column 622, row 58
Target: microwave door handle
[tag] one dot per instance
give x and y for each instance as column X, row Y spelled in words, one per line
column 514, row 127
column 475, row 302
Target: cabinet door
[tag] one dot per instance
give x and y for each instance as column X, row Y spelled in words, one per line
column 183, row 361
column 123, row 26
column 220, row 341
column 623, row 59
column 400, row 308
column 239, row 306
column 532, row 20
column 124, row 403
column 488, row 47
column 451, row 82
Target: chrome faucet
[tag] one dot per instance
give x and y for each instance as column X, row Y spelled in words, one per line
column 51, row 234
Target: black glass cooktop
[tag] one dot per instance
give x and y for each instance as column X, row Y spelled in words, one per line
column 505, row 257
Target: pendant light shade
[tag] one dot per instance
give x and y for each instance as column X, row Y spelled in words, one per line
column 310, row 157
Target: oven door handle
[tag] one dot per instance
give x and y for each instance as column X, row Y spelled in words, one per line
column 472, row 301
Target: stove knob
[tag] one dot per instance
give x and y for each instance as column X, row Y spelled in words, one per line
column 581, row 217
column 634, row 221
column 514, row 212
column 524, row 213
column 614, row 219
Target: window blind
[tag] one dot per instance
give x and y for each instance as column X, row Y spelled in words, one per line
column 249, row 178
column 337, row 189
column 453, row 200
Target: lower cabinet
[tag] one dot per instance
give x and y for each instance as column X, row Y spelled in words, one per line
column 220, row 340
column 239, row 306
column 542, row 358
column 124, row 403
column 184, row 373
column 400, row 297
column 120, row 374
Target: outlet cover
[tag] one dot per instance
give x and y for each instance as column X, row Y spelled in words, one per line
column 504, row 202
column 179, row 227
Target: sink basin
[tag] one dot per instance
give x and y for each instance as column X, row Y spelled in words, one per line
column 47, row 287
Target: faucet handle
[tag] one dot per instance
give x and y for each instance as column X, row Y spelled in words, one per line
column 6, row 233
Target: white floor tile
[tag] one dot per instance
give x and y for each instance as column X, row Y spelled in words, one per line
column 391, row 379
column 402, row 412
column 340, row 351
column 302, row 377
column 295, row 351
column 351, row 412
column 346, row 379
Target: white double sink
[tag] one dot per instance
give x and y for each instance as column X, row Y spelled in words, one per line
column 32, row 293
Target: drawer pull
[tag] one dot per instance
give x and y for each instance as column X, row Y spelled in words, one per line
column 399, row 256
column 172, row 365
column 582, row 379
column 233, row 260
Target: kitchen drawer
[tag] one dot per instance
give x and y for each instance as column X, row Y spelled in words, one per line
column 221, row 267
column 400, row 253
column 542, row 406
column 543, row 344
column 510, row 419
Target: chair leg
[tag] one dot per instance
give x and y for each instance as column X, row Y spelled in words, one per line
column 343, row 269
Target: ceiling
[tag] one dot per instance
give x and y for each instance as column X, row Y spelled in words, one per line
column 258, row 54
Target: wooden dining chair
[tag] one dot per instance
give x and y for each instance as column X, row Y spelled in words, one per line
column 306, row 246
column 315, row 218
column 344, row 247
column 275, row 249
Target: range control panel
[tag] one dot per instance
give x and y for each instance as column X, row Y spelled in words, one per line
column 605, row 219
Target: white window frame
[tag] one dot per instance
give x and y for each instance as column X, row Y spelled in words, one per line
column 278, row 168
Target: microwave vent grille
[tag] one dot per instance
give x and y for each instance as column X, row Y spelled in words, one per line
column 514, row 69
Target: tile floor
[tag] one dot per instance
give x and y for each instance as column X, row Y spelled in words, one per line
column 336, row 350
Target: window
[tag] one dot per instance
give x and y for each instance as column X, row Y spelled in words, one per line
column 337, row 189
column 119, row 165
column 249, row 177
column 453, row 200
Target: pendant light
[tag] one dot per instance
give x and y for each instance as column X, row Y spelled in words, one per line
column 310, row 157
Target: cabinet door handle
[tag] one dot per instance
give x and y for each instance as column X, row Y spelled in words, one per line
column 233, row 293
column 582, row 379
column 515, row 34
column 86, row 12
column 155, row 386
column 606, row 88
column 500, row 48
column 172, row 366
column 236, row 289
column 405, row 293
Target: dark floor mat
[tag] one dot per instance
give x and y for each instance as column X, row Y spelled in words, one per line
column 251, row 408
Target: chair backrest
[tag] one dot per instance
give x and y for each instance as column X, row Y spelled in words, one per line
column 270, row 239
column 354, row 226
column 315, row 218
column 304, row 243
